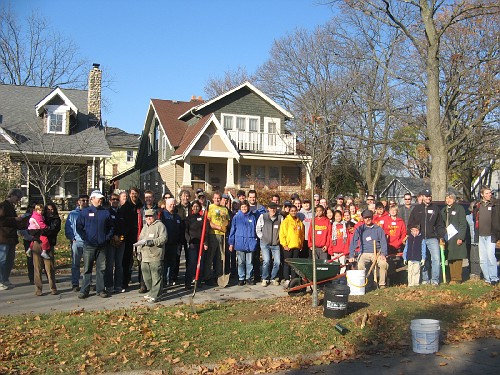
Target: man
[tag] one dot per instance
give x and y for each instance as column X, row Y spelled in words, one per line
column 241, row 195
column 364, row 236
column 268, row 229
column 256, row 209
column 370, row 199
column 286, row 208
column 406, row 208
column 276, row 199
column 298, row 203
column 114, row 255
column 9, row 224
column 340, row 201
column 322, row 234
column 132, row 215
column 456, row 230
column 172, row 222
column 205, row 203
column 395, row 230
column 183, row 209
column 305, row 214
column 381, row 215
column 316, row 200
column 485, row 225
column 76, row 242
column 218, row 217
column 428, row 217
column 324, row 203
column 95, row 227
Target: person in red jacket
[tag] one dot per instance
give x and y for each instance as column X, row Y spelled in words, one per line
column 322, row 234
column 339, row 244
column 380, row 216
column 395, row 230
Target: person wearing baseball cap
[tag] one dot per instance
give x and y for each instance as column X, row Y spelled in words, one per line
column 428, row 216
column 95, row 227
column 366, row 235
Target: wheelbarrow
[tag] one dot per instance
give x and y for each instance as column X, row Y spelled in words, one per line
column 325, row 271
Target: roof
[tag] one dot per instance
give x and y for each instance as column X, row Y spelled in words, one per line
column 19, row 120
column 118, row 138
column 168, row 112
column 229, row 92
column 413, row 185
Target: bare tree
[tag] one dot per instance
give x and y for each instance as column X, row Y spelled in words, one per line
column 216, row 86
column 424, row 23
column 31, row 54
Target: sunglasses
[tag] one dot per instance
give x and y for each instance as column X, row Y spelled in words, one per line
column 115, row 200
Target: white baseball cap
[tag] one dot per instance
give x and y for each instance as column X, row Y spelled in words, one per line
column 96, row 194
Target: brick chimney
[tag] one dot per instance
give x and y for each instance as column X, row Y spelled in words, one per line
column 94, row 93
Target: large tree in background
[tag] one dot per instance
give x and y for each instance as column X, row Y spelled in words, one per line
column 31, row 54
column 233, row 77
column 425, row 23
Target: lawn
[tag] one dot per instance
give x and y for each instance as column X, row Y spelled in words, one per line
column 241, row 337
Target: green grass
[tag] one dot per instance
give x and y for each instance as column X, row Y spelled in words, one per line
column 239, row 336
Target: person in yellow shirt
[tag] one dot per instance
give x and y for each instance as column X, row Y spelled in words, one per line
column 291, row 238
column 218, row 217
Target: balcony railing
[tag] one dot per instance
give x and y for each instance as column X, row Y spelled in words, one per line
column 269, row 143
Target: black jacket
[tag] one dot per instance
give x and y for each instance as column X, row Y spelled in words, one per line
column 430, row 220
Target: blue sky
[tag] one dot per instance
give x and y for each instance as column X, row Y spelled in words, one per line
column 169, row 49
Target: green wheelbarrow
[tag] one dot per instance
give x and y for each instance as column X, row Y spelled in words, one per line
column 326, row 270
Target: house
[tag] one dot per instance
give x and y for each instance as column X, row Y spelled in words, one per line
column 51, row 140
column 124, row 147
column 399, row 186
column 235, row 140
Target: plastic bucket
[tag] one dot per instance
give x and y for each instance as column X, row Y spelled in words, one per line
column 425, row 335
column 357, row 281
column 335, row 301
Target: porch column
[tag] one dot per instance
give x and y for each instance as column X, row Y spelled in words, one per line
column 230, row 173
column 186, row 172
column 308, row 176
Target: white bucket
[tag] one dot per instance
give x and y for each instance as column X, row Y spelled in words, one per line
column 425, row 335
column 356, row 281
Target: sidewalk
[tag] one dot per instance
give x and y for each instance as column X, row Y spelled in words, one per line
column 21, row 299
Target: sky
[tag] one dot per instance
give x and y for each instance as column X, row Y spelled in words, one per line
column 169, row 49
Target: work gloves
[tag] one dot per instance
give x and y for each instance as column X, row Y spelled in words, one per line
column 149, row 243
column 422, row 262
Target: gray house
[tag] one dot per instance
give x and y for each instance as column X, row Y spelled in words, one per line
column 52, row 141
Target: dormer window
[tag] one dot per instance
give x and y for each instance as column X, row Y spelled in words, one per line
column 56, row 119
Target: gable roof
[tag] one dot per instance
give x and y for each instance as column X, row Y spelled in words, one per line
column 48, row 98
column 195, row 131
column 20, row 121
column 118, row 138
column 168, row 112
column 229, row 92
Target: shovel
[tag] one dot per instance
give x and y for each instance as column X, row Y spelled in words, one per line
column 443, row 260
column 200, row 252
column 223, row 280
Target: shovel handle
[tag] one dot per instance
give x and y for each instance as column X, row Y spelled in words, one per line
column 200, row 252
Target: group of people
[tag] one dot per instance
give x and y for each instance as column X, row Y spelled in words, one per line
column 242, row 238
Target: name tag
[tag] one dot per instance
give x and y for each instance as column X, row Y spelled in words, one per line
column 151, row 235
column 393, row 223
column 453, row 212
column 430, row 211
column 319, row 232
column 91, row 214
column 368, row 238
column 113, row 217
column 199, row 219
column 276, row 226
column 381, row 222
column 178, row 221
column 250, row 220
column 489, row 208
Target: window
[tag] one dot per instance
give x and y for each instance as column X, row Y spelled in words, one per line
column 150, row 144
column 240, row 123
column 198, row 172
column 274, row 176
column 164, row 147
column 56, row 118
column 71, row 182
column 246, row 174
column 291, row 175
column 130, row 156
column 157, row 137
column 228, row 123
column 260, row 173
column 56, row 123
column 252, row 124
column 272, row 127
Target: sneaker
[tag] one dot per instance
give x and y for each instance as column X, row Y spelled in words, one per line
column 83, row 295
column 241, row 282
column 38, row 293
column 8, row 284
column 147, row 296
column 474, row 277
column 54, row 292
column 92, row 288
column 276, row 282
column 103, row 294
column 3, row 286
column 152, row 300
column 265, row 282
column 494, row 282
column 75, row 288
column 250, row 282
column 28, row 253
column 45, row 255
column 143, row 290
column 285, row 285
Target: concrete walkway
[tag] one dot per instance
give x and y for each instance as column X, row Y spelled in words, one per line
column 21, row 298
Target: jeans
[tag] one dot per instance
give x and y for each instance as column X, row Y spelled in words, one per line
column 76, row 259
column 93, row 254
column 432, row 245
column 7, row 255
column 114, row 266
column 487, row 259
column 245, row 265
column 192, row 262
column 268, row 251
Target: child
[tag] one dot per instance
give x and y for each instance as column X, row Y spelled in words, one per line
column 322, row 234
column 338, row 248
column 36, row 223
column 414, row 255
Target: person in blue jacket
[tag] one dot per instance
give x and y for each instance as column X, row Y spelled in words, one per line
column 243, row 239
column 95, row 227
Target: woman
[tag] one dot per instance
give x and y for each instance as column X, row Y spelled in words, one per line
column 329, row 214
column 53, row 222
column 194, row 229
column 291, row 238
column 243, row 239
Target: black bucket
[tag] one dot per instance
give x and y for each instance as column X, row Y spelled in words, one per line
column 335, row 301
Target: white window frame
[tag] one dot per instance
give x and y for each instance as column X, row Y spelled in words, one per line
column 61, row 186
column 246, row 120
column 272, row 120
column 164, row 147
column 130, row 156
column 59, row 110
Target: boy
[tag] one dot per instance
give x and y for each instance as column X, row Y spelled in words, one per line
column 414, row 255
